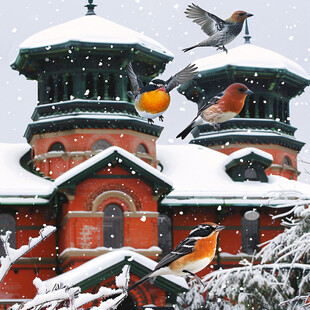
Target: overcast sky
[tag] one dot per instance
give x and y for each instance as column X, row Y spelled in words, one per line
column 282, row 26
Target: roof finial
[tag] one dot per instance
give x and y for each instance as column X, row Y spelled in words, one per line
column 247, row 36
column 90, row 6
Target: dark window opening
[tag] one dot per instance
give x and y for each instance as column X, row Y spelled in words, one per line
column 280, row 111
column 287, row 161
column 100, row 87
column 7, row 223
column 252, row 108
column 111, row 87
column 89, row 93
column 261, row 107
column 113, row 226
column 101, row 145
column 50, row 90
column 250, row 233
column 57, row 147
column 164, row 227
column 275, row 109
column 142, row 149
column 69, row 86
column 250, row 174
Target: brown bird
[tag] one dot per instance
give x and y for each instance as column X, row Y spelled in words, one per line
column 220, row 108
column 220, row 32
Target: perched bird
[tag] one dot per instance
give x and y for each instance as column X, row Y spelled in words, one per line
column 153, row 100
column 190, row 256
column 220, row 32
column 220, row 108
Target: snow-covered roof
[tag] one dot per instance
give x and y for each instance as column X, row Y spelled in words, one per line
column 250, row 55
column 199, row 177
column 18, row 185
column 103, row 262
column 91, row 28
column 102, row 155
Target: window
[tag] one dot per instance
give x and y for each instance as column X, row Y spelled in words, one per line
column 250, row 174
column 60, row 88
column 7, row 223
column 111, row 87
column 50, row 89
column 100, row 86
column 113, row 226
column 57, row 147
column 89, row 86
column 101, row 145
column 164, row 233
column 142, row 149
column 250, row 231
column 287, row 161
column 69, row 86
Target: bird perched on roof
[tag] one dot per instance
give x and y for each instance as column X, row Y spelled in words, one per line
column 220, row 32
column 220, row 108
column 153, row 100
column 190, row 256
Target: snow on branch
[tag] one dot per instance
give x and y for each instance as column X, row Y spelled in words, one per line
column 12, row 255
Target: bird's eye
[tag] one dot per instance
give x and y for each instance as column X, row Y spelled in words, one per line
column 208, row 228
column 241, row 14
column 241, row 90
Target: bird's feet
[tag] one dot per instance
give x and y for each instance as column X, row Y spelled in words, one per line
column 150, row 121
column 198, row 280
column 216, row 126
column 222, row 48
column 161, row 118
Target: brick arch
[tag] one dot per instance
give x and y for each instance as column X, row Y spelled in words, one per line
column 112, row 187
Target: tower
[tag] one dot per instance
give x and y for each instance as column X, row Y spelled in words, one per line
column 264, row 121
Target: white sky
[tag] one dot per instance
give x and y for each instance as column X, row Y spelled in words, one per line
column 281, row 26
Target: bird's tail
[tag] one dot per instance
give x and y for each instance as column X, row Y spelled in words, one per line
column 189, row 48
column 142, row 280
column 186, row 131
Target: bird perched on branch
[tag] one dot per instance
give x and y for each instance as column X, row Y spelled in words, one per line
column 153, row 100
column 190, row 256
column 220, row 32
column 220, row 108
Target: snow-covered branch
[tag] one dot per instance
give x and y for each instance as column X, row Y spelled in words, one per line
column 12, row 255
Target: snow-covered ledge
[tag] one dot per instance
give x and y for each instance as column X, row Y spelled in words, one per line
column 70, row 252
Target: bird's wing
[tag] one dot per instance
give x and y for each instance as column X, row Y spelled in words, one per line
column 184, row 75
column 183, row 248
column 212, row 101
column 209, row 23
column 134, row 80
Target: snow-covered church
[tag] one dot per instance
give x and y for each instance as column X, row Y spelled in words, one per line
column 91, row 166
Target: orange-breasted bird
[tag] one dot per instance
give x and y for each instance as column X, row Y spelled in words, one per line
column 190, row 256
column 153, row 100
column 220, row 32
column 220, row 108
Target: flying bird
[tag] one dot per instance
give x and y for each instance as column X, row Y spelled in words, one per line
column 220, row 108
column 153, row 100
column 190, row 256
column 220, row 32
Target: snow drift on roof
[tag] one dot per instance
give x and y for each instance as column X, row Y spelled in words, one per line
column 249, row 55
column 95, row 29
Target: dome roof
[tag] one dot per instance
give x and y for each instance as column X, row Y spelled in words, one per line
column 94, row 29
column 249, row 55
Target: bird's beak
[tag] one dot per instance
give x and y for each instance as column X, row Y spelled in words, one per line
column 248, row 15
column 219, row 228
column 249, row 92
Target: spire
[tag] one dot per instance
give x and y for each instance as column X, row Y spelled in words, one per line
column 247, row 36
column 90, row 6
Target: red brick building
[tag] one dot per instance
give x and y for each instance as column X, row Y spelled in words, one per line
column 92, row 168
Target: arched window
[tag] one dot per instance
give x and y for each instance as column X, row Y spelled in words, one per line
column 111, row 87
column 142, row 149
column 101, row 145
column 164, row 228
column 57, row 147
column 60, row 88
column 250, row 231
column 100, row 86
column 50, row 90
column 69, row 86
column 89, row 86
column 250, row 174
column 7, row 223
column 286, row 161
column 113, row 226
